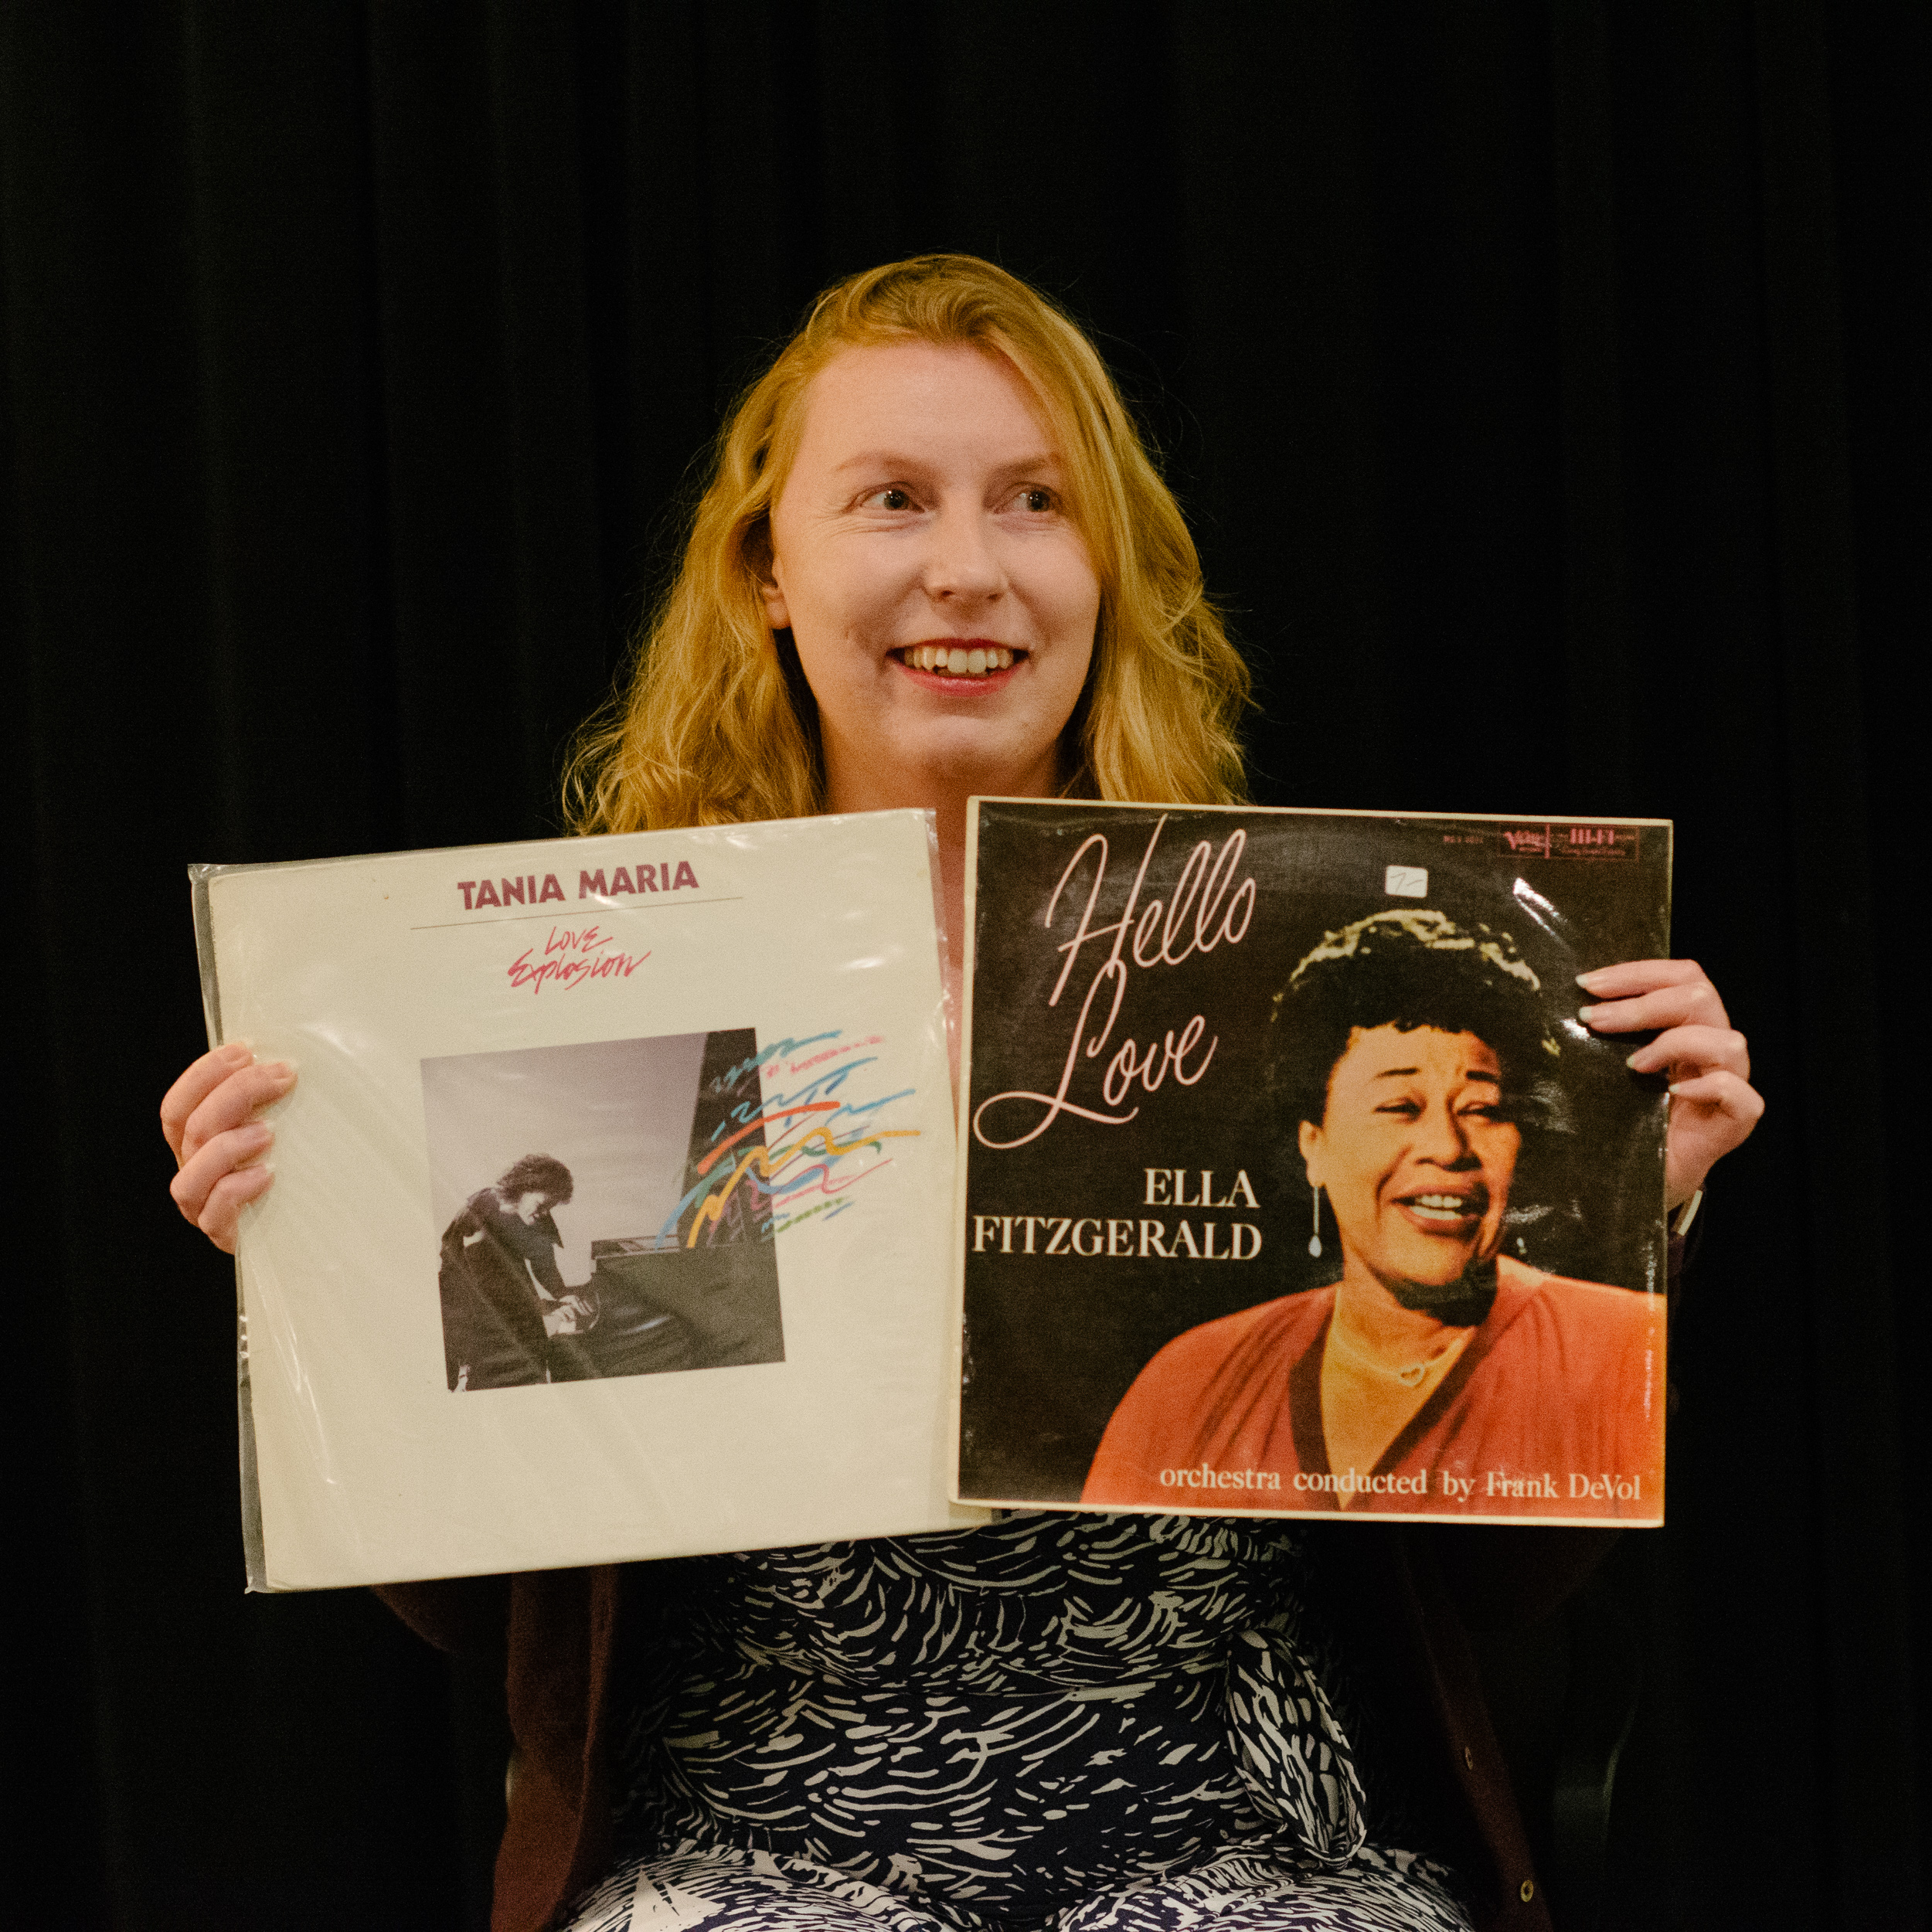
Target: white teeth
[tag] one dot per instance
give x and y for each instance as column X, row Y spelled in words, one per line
column 1440, row 1206
column 958, row 661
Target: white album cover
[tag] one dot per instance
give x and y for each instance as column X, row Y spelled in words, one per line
column 610, row 1211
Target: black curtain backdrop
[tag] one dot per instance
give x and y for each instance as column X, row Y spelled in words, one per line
column 1546, row 386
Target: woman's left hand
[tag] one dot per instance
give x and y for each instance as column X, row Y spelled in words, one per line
column 1713, row 1106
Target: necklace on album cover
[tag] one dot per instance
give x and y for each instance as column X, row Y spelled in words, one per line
column 1410, row 1374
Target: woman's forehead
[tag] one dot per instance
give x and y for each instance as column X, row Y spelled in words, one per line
column 1391, row 1051
column 878, row 400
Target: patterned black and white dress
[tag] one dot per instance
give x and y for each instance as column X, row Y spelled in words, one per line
column 1089, row 1723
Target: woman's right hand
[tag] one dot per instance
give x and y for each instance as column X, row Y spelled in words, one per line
column 209, row 1117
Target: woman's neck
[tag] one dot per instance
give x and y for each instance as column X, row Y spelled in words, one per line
column 1376, row 1324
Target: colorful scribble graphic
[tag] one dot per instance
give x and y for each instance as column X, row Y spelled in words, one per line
column 777, row 1154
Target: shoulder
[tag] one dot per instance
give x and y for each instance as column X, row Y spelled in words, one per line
column 1183, row 1405
column 1261, row 1335
column 1584, row 1314
column 471, row 1218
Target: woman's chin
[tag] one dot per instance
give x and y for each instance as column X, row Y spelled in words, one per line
column 1463, row 1299
column 1426, row 1262
column 1427, row 1273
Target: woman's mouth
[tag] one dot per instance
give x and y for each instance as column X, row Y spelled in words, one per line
column 1441, row 1211
column 963, row 660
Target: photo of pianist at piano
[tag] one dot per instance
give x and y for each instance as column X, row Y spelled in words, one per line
column 503, row 1295
column 1410, row 1058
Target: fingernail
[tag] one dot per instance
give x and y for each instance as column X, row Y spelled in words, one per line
column 258, row 1133
column 1588, row 981
column 237, row 1050
column 1631, row 1062
column 1587, row 1014
column 1676, row 1087
column 279, row 1070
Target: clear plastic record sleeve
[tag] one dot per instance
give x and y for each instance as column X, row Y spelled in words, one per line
column 1291, row 1182
column 612, row 1201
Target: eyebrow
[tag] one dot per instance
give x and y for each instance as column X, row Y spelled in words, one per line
column 1407, row 1072
column 898, row 460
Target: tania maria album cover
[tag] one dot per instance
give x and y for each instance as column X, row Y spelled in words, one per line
column 1291, row 1181
column 610, row 1210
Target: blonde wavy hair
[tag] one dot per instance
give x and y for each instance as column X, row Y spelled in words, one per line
column 717, row 726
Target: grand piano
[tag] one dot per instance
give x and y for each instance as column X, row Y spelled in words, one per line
column 702, row 1293
column 662, row 1307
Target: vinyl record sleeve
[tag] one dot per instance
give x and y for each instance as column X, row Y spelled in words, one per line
column 612, row 1201
column 1183, row 1020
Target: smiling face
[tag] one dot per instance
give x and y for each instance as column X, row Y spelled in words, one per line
column 1415, row 1153
column 941, row 598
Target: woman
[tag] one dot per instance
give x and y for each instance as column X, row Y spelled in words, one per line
column 1438, row 1373
column 933, row 559
column 503, row 1296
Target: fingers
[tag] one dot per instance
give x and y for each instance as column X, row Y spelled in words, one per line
column 1710, row 1115
column 211, row 1190
column 203, row 1170
column 1724, row 1092
column 195, row 1085
column 209, row 1117
column 1713, row 1107
column 1644, row 993
column 221, row 1218
column 1685, row 1052
column 1632, row 976
column 235, row 1101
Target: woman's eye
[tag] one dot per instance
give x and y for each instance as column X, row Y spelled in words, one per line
column 1403, row 1110
column 1035, row 498
column 891, row 498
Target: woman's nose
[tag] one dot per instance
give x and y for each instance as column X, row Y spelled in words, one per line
column 961, row 564
column 1444, row 1139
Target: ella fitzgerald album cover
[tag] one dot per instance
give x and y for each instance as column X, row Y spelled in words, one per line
column 1291, row 1181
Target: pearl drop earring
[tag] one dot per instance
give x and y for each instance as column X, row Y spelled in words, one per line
column 1314, row 1239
